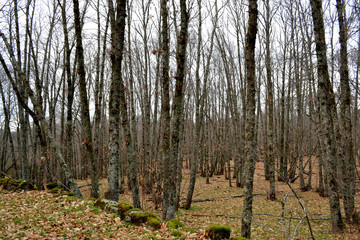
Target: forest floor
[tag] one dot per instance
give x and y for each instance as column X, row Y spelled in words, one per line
column 41, row 215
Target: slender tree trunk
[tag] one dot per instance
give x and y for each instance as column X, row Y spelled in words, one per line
column 250, row 145
column 85, row 114
column 270, row 131
column 165, row 107
column 194, row 158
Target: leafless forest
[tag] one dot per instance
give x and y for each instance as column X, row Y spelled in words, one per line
column 139, row 91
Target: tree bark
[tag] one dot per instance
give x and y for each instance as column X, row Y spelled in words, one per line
column 327, row 115
column 346, row 143
column 85, row 114
column 270, row 131
column 250, row 145
column 165, row 106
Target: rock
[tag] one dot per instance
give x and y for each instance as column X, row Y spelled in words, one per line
column 102, row 203
column 26, row 185
column 137, row 217
column 4, row 181
column 123, row 209
column 218, row 232
column 111, row 209
column 15, row 185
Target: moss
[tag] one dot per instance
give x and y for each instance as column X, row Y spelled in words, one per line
column 55, row 190
column 153, row 222
column 92, row 199
column 4, row 181
column 138, row 217
column 25, row 185
column 15, row 185
column 152, row 215
column 174, row 223
column 240, row 238
column 176, row 233
column 123, row 209
column 51, row 185
column 70, row 193
column 218, row 232
column 72, row 198
column 134, row 210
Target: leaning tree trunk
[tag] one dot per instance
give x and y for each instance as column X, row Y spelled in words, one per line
column 327, row 116
column 37, row 115
column 250, row 144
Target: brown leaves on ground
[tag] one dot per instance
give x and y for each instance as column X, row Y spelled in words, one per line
column 41, row 215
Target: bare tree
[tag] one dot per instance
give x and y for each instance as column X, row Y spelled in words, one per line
column 250, row 144
column 327, row 114
column 346, row 148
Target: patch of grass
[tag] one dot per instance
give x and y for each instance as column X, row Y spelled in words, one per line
column 17, row 220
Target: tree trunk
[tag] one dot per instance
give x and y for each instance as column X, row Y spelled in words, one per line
column 346, row 144
column 327, row 113
column 165, row 107
column 85, row 114
column 250, row 145
column 270, row 137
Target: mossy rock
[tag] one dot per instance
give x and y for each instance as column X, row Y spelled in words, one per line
column 111, row 209
column 218, row 232
column 134, row 210
column 52, row 185
column 4, row 181
column 137, row 217
column 176, row 233
column 15, row 185
column 11, row 184
column 174, row 223
column 123, row 209
column 55, row 190
column 154, row 223
column 102, row 203
column 26, row 185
